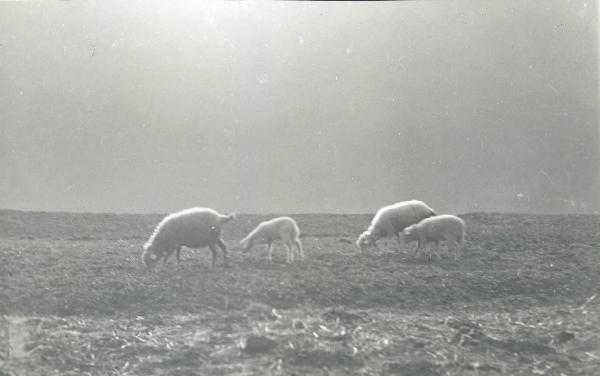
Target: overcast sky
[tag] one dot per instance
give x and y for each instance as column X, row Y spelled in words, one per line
column 154, row 106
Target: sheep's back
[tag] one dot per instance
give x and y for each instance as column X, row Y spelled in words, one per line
column 192, row 229
column 395, row 218
column 273, row 229
column 441, row 226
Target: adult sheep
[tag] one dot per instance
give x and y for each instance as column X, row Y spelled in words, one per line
column 192, row 228
column 435, row 229
column 392, row 220
column 280, row 228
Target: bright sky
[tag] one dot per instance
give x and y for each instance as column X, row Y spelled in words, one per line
column 153, row 106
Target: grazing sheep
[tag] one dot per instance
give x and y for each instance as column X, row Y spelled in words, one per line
column 193, row 228
column 391, row 220
column 435, row 229
column 281, row 228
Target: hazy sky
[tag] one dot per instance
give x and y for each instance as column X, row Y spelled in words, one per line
column 154, row 106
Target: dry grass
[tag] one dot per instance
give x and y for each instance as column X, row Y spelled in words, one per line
column 76, row 301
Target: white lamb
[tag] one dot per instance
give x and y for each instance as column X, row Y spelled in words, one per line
column 193, row 228
column 281, row 228
column 435, row 229
column 391, row 220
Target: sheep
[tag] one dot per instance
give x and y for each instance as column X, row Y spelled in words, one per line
column 280, row 228
column 435, row 229
column 391, row 220
column 193, row 228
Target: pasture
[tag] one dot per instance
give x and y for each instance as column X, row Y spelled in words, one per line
column 75, row 300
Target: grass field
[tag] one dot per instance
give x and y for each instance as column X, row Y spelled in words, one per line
column 76, row 300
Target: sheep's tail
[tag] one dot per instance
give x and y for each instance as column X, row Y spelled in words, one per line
column 226, row 218
column 295, row 231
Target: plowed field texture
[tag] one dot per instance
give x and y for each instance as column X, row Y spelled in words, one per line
column 523, row 299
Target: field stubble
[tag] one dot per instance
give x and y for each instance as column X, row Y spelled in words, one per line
column 76, row 300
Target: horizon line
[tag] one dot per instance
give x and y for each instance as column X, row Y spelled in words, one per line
column 284, row 213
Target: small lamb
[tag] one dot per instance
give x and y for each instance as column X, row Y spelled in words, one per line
column 193, row 228
column 280, row 228
column 435, row 229
column 391, row 220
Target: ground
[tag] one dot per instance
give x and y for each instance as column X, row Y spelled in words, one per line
column 75, row 300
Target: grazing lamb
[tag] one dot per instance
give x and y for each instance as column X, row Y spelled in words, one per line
column 281, row 228
column 391, row 220
column 435, row 229
column 193, row 228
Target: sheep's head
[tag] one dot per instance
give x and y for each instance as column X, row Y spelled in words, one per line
column 246, row 245
column 365, row 240
column 410, row 233
column 149, row 257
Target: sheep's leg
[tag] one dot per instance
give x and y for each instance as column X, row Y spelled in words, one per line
column 178, row 255
column 453, row 244
column 419, row 246
column 270, row 252
column 290, row 253
column 400, row 243
column 213, row 250
column 436, row 250
column 452, row 248
column 294, row 251
column 166, row 257
column 300, row 249
column 224, row 249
